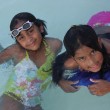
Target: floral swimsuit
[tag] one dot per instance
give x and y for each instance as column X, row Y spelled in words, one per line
column 27, row 82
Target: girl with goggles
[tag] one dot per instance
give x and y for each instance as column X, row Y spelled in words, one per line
column 25, row 26
column 32, row 56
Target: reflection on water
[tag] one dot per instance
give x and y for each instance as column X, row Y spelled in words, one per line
column 5, row 71
column 56, row 99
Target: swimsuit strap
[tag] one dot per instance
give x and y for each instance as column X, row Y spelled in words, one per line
column 47, row 47
column 45, row 71
column 27, row 55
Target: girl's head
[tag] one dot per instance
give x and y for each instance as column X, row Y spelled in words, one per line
column 27, row 30
column 82, row 43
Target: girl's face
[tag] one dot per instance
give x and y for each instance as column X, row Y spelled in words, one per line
column 89, row 59
column 29, row 39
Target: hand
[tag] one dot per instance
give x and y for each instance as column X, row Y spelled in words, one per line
column 67, row 86
column 100, row 87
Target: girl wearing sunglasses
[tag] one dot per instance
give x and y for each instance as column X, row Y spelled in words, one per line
column 32, row 57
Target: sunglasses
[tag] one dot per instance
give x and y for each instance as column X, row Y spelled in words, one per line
column 106, row 36
column 25, row 26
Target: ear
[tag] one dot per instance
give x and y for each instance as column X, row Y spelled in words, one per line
column 100, row 41
column 41, row 29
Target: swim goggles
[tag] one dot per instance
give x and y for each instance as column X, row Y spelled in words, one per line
column 25, row 26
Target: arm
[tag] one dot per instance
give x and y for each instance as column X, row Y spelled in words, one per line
column 8, row 53
column 5, row 55
column 100, row 88
column 66, row 85
column 59, row 73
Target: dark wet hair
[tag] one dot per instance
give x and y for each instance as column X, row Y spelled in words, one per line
column 58, row 67
column 79, row 35
column 105, row 35
column 25, row 16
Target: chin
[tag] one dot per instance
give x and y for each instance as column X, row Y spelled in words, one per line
column 96, row 70
column 34, row 48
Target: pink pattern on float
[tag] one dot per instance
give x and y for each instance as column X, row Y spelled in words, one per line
column 100, row 19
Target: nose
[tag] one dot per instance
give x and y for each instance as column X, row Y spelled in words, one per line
column 91, row 61
column 27, row 37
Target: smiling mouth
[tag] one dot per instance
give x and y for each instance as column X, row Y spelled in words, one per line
column 32, row 43
column 96, row 67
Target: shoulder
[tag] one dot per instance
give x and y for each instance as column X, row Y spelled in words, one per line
column 10, row 49
column 18, row 53
column 10, row 52
column 54, row 43
column 14, row 50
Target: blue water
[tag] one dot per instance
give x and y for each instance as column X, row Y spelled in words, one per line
column 56, row 99
column 59, row 15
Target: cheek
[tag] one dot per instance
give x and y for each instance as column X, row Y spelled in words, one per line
column 37, row 33
column 22, row 44
column 81, row 64
column 38, row 36
column 99, row 58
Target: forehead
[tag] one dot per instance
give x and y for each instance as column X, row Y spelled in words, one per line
column 83, row 51
column 19, row 24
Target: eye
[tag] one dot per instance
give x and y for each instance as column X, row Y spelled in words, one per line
column 30, row 30
column 81, row 58
column 20, row 37
column 93, row 52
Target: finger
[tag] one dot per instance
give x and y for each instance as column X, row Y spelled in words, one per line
column 92, row 89
column 95, row 80
column 97, row 93
column 73, row 82
column 69, row 89
column 73, row 89
column 94, row 92
column 91, row 86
